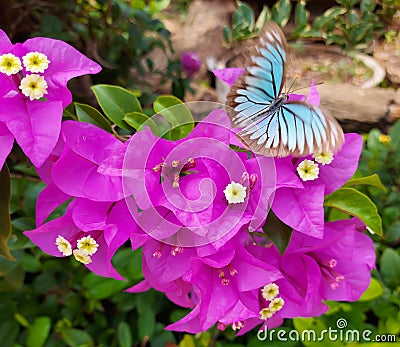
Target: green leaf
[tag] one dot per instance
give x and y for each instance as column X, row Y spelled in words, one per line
column 146, row 323
column 24, row 223
column 116, row 102
column 390, row 267
column 77, row 338
column 280, row 12
column 356, row 204
column 328, row 17
column 157, row 6
column 372, row 180
column 89, row 114
column 5, row 220
column 374, row 290
column 277, row 231
column 393, row 325
column 8, row 332
column 301, row 15
column 247, row 15
column 124, row 335
column 176, row 112
column 262, row 18
column 187, row 341
column 139, row 120
column 227, row 34
column 21, row 320
column 38, row 332
column 128, row 263
column 102, row 287
column 394, row 134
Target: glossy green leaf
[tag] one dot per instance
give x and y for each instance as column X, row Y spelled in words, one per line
column 38, row 332
column 176, row 112
column 247, row 14
column 328, row 17
column 5, row 220
column 390, row 267
column 116, row 102
column 77, row 338
column 139, row 120
column 262, row 18
column 21, row 320
column 280, row 12
column 128, row 263
column 372, row 180
column 124, row 335
column 277, row 231
column 102, row 287
column 356, row 204
column 89, row 114
column 301, row 15
column 374, row 290
column 24, row 223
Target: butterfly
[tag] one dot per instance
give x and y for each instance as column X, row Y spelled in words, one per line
column 273, row 125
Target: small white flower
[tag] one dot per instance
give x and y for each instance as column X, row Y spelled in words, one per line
column 35, row 62
column 34, row 86
column 87, row 245
column 63, row 246
column 235, row 193
column 308, row 170
column 266, row 313
column 276, row 304
column 323, row 158
column 270, row 291
column 10, row 64
column 82, row 257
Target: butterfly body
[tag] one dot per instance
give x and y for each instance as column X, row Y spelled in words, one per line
column 271, row 123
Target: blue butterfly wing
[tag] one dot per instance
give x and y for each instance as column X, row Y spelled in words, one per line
column 297, row 129
column 263, row 80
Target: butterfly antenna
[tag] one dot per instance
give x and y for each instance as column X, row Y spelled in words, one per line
column 316, row 84
column 290, row 88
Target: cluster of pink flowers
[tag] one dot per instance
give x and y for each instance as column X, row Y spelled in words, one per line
column 33, row 93
column 196, row 206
